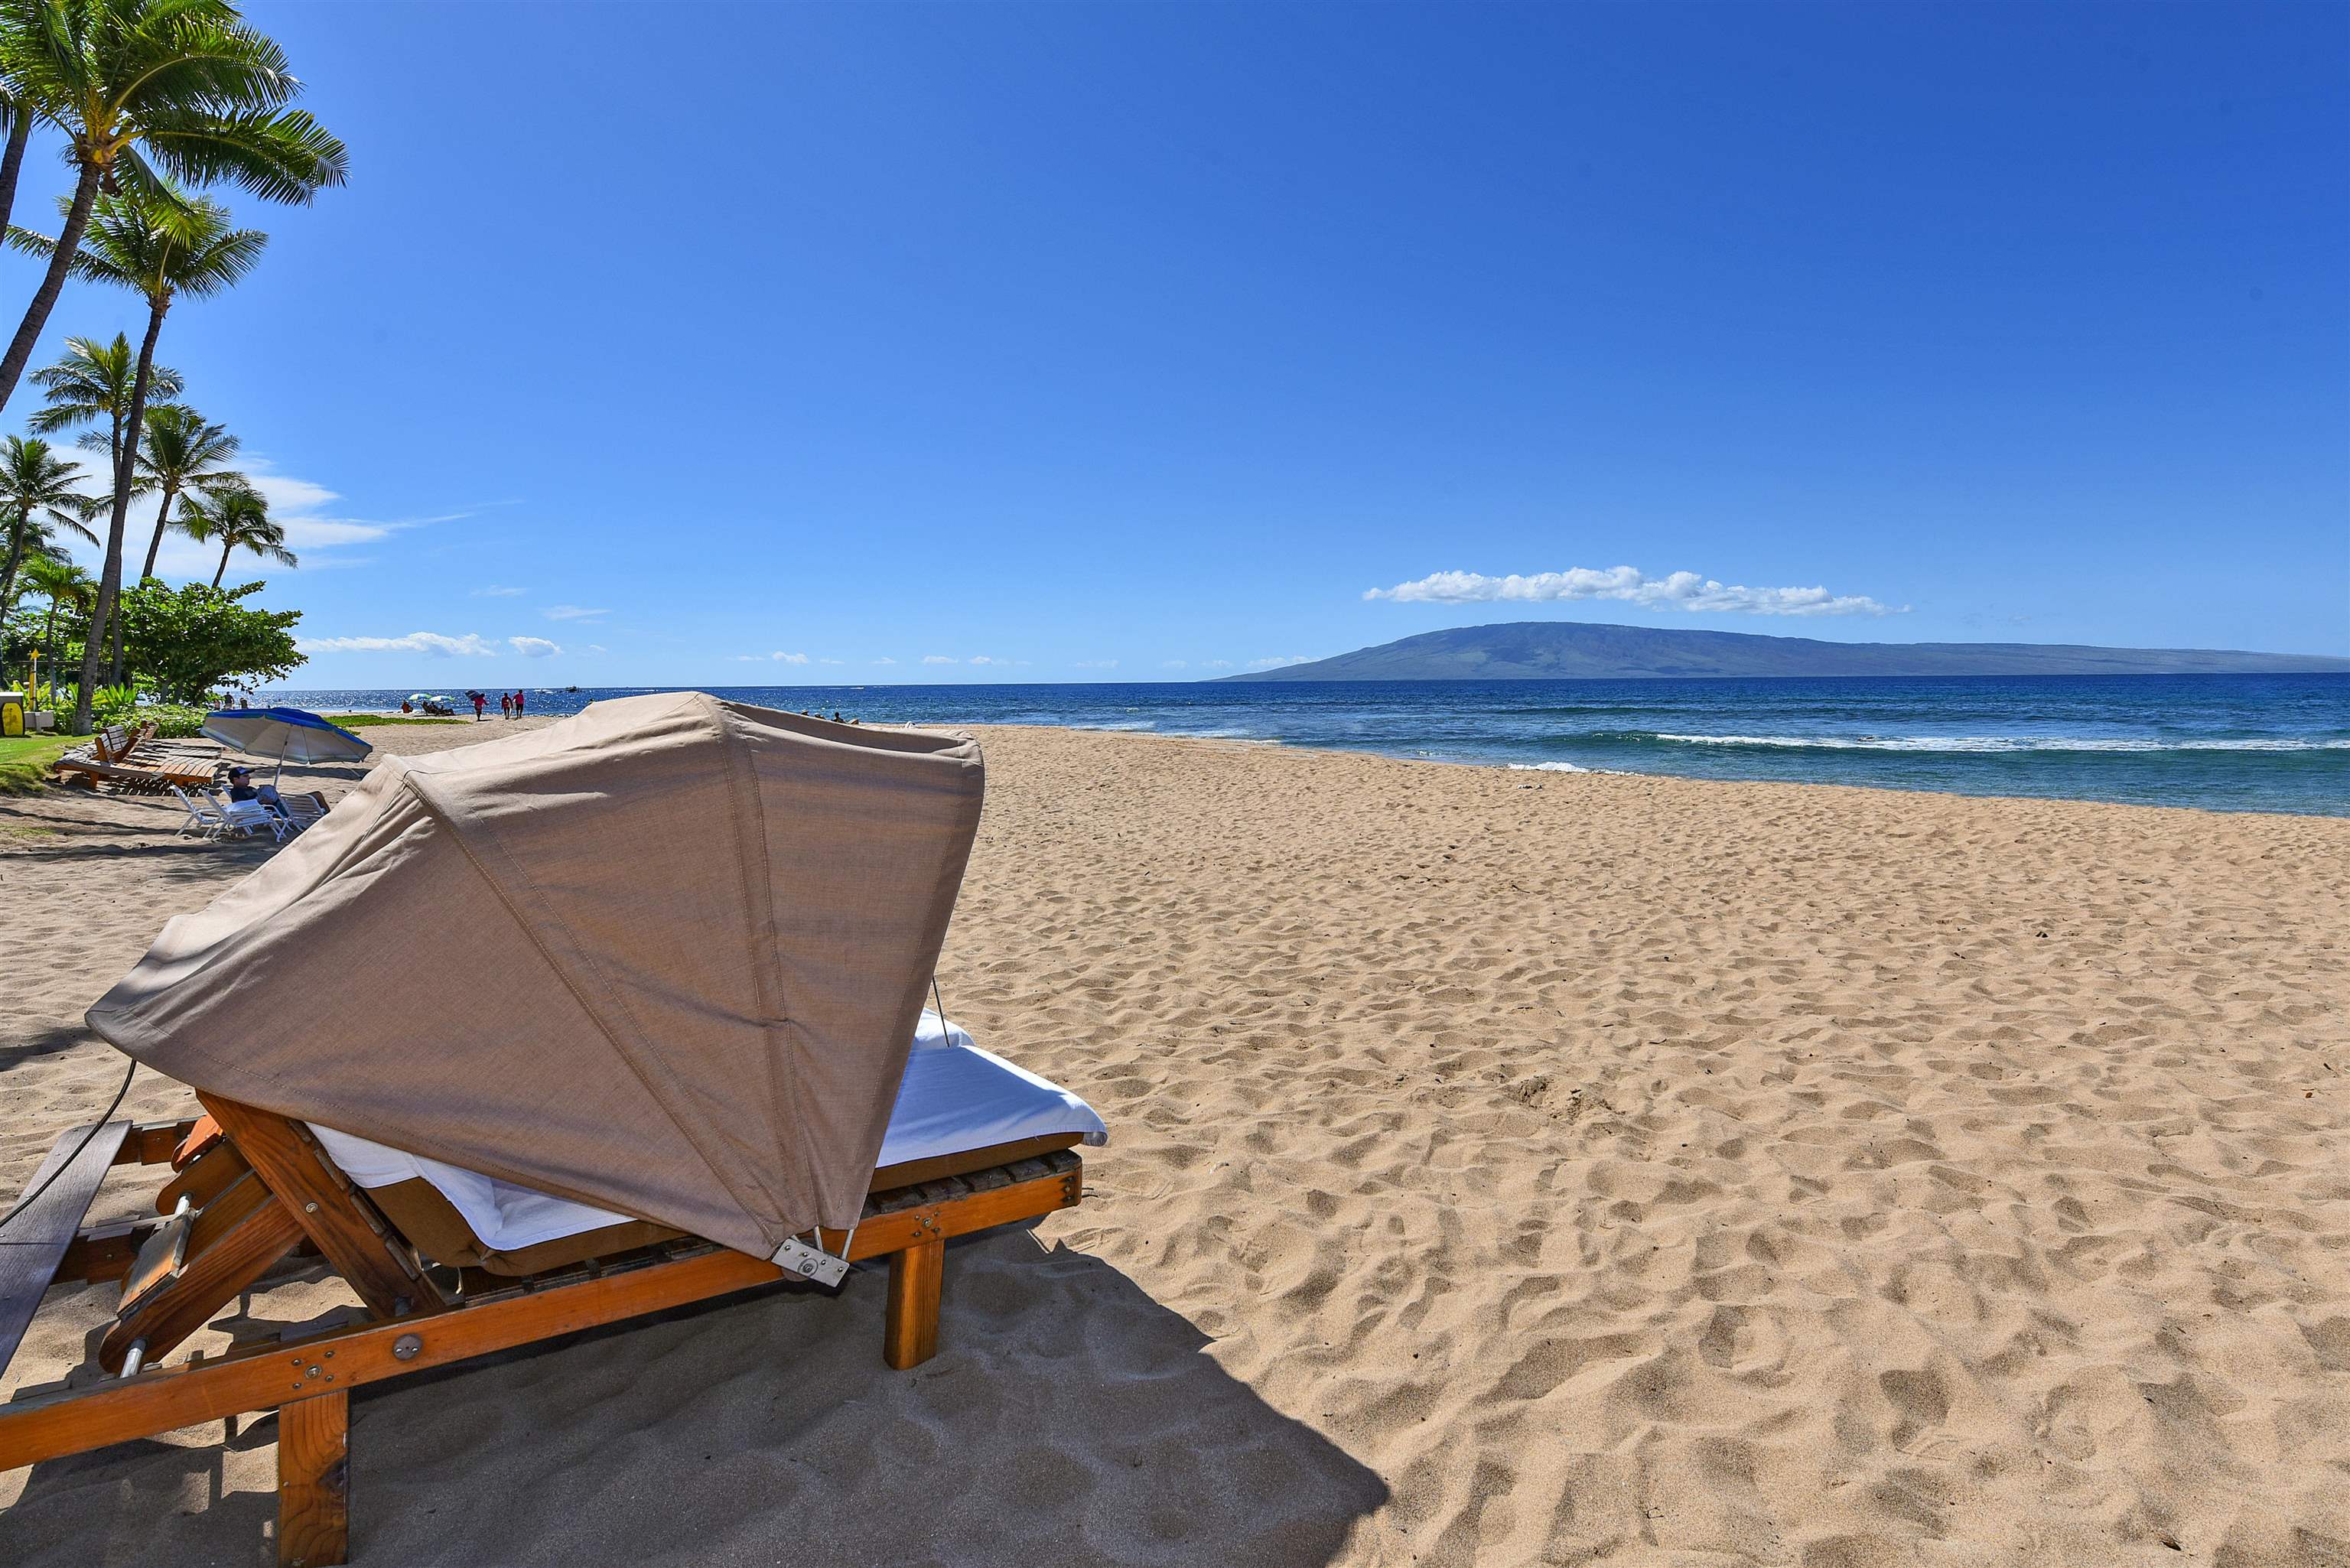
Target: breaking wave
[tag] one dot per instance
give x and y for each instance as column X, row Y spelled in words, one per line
column 1994, row 743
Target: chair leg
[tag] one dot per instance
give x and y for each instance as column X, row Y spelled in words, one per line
column 911, row 1334
column 314, row 1437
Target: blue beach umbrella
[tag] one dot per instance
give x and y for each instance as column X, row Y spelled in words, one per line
column 285, row 733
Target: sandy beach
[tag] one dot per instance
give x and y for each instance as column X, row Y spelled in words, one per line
column 1505, row 1167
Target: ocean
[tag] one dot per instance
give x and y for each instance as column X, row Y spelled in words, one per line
column 2225, row 742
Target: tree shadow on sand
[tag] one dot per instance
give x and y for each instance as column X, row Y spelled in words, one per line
column 1068, row 1418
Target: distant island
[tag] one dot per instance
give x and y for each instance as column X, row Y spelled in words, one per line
column 1579, row 651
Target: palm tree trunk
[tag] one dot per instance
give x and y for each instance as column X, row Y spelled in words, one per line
column 20, row 132
column 8, row 572
column 109, row 583
column 52, row 283
column 163, row 521
column 228, row 542
column 126, row 455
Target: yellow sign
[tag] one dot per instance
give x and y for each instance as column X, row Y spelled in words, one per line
column 12, row 716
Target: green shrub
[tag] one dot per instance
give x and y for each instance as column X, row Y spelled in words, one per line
column 123, row 705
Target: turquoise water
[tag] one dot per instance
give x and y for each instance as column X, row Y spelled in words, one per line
column 2227, row 743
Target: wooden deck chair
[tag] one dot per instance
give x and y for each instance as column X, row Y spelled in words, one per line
column 111, row 757
column 250, row 1187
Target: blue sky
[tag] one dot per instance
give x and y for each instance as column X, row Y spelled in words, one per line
column 1141, row 342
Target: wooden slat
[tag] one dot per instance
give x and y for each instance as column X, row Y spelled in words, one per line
column 203, row 1134
column 206, row 1178
column 152, row 1143
column 379, row 1267
column 911, row 1334
column 313, row 1481
column 105, row 1252
column 237, row 1239
column 36, row 1240
column 263, row 1377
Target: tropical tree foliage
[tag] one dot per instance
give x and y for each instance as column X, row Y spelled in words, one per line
column 194, row 640
column 179, row 450
column 68, row 588
column 36, row 499
column 162, row 244
column 145, row 89
column 93, row 383
column 238, row 517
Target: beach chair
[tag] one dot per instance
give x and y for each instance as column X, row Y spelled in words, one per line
column 250, row 1190
column 700, row 1041
column 302, row 810
column 114, row 756
column 246, row 817
column 206, row 818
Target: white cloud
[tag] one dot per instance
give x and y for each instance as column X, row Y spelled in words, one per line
column 781, row 657
column 595, row 648
column 1682, row 590
column 573, row 612
column 999, row 663
column 1280, row 660
column 498, row 593
column 1096, row 664
column 939, row 658
column 832, row 661
column 1216, row 664
column 1170, row 664
column 885, row 661
column 437, row 644
column 534, row 647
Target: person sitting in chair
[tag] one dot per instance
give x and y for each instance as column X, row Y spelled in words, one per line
column 241, row 787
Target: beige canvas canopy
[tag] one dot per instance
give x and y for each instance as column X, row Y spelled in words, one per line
column 665, row 957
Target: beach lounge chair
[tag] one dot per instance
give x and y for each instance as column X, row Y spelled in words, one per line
column 206, row 818
column 115, row 756
column 702, row 1060
column 246, row 817
column 452, row 1266
column 303, row 809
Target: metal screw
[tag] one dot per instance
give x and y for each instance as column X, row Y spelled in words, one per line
column 309, row 1209
column 405, row 1347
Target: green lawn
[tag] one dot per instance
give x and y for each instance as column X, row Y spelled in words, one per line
column 23, row 763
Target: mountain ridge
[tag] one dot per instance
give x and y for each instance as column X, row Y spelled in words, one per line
column 1555, row 650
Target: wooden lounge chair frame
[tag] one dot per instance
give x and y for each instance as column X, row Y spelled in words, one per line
column 251, row 1187
column 136, row 762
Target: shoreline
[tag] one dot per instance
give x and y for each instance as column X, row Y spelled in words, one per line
column 2278, row 747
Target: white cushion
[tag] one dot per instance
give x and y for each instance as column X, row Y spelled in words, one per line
column 954, row 1097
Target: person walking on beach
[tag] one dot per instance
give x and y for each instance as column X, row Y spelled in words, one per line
column 506, row 706
column 480, row 700
column 518, row 704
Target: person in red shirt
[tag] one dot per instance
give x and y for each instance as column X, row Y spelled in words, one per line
column 518, row 704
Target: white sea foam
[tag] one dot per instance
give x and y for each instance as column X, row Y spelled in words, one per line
column 1547, row 768
column 2002, row 743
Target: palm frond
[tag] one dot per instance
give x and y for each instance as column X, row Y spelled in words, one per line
column 279, row 155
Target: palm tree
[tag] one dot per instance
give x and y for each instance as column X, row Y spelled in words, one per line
column 93, row 380
column 65, row 584
column 180, row 449
column 36, row 497
column 235, row 515
column 162, row 244
column 182, row 86
column 20, row 109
